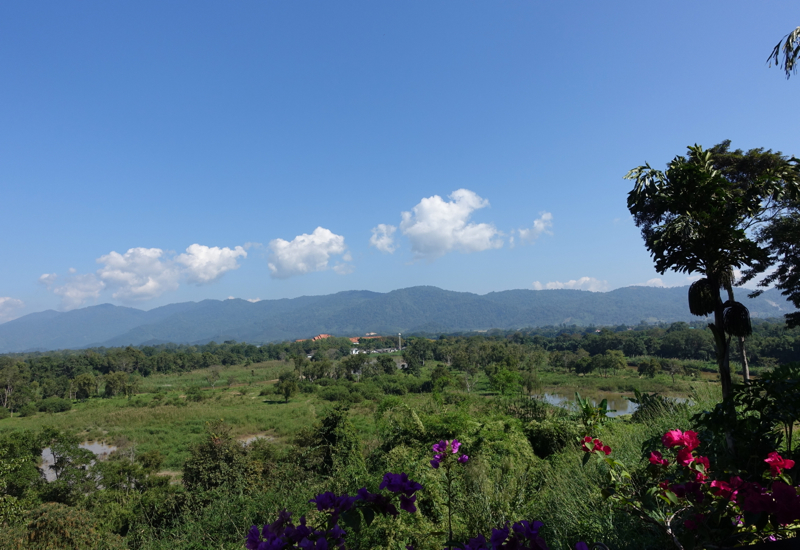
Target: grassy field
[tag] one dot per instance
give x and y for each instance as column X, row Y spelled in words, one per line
column 162, row 418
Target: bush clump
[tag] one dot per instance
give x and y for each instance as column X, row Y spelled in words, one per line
column 550, row 436
column 54, row 405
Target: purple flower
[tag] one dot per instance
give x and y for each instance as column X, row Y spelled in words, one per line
column 434, row 464
column 407, row 503
column 463, row 459
column 499, row 536
column 477, row 543
column 337, row 505
column 399, row 483
column 382, row 504
column 454, row 447
column 440, row 447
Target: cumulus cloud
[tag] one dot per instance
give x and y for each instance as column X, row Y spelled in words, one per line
column 383, row 238
column 139, row 274
column 254, row 300
column 306, row 253
column 145, row 273
column 9, row 307
column 435, row 226
column 78, row 289
column 204, row 264
column 541, row 226
column 655, row 281
column 48, row 279
column 584, row 283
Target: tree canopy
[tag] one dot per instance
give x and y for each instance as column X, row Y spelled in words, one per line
column 702, row 216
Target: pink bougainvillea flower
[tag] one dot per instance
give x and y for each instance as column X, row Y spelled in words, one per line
column 690, row 440
column 685, row 457
column 777, row 463
column 675, row 438
column 606, row 450
column 721, row 489
column 657, row 459
column 672, row 438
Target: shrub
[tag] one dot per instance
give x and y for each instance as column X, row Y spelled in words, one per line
column 54, row 525
column 4, row 413
column 394, row 388
column 335, row 393
column 324, row 382
column 54, row 405
column 218, row 460
column 548, row 437
column 195, row 394
column 28, row 410
column 306, row 387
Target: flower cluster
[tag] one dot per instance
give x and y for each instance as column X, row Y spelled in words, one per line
column 777, row 463
column 441, row 452
column 283, row 534
column 590, row 445
column 705, row 507
column 521, row 535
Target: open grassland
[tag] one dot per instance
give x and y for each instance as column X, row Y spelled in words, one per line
column 163, row 417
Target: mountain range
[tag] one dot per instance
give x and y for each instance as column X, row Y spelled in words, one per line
column 352, row 313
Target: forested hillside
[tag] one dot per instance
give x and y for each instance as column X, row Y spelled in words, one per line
column 417, row 309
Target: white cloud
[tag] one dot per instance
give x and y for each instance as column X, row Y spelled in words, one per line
column 204, row 264
column 541, row 226
column 254, row 300
column 48, row 279
column 146, row 273
column 655, row 282
column 436, row 227
column 305, row 253
column 584, row 283
column 78, row 289
column 9, row 308
column 383, row 238
column 139, row 274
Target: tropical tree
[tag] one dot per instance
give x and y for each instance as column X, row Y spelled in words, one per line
column 782, row 238
column 700, row 215
column 786, row 52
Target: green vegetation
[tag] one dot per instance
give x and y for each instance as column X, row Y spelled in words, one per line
column 182, row 476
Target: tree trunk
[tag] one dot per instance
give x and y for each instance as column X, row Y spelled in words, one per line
column 745, row 367
column 742, row 351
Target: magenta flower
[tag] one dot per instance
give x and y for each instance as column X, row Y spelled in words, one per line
column 463, row 459
column 777, row 463
column 455, row 445
column 657, row 459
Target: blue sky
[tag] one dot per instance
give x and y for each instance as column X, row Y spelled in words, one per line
column 159, row 152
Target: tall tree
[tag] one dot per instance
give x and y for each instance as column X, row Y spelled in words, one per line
column 699, row 216
column 786, row 52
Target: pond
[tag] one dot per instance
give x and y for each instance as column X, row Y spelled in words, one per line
column 616, row 402
column 100, row 450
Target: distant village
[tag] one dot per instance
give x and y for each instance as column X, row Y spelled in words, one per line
column 355, row 340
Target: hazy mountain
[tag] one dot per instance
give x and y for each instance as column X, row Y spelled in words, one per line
column 417, row 309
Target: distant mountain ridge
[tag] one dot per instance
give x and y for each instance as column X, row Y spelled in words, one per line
column 416, row 309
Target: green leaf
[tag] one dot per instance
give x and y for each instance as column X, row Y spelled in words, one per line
column 586, row 458
column 352, row 519
column 369, row 515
